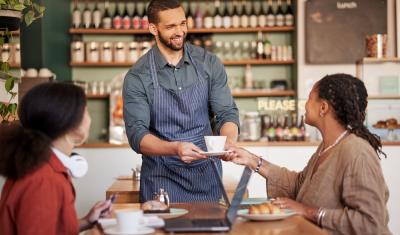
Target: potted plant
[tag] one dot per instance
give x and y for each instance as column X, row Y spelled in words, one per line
column 11, row 13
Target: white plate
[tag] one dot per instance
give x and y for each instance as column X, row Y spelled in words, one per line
column 141, row 231
column 253, row 201
column 286, row 213
column 212, row 154
column 173, row 213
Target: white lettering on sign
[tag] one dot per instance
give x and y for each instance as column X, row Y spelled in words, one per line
column 346, row 5
column 273, row 105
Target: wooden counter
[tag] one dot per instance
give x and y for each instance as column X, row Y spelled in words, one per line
column 292, row 225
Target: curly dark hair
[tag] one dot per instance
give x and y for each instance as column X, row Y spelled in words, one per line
column 348, row 97
column 46, row 112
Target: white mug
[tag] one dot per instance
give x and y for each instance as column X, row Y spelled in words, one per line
column 31, row 72
column 45, row 73
column 129, row 221
column 215, row 143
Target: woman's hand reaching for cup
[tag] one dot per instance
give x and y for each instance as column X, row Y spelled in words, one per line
column 240, row 156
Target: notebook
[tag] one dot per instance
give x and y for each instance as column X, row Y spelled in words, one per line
column 213, row 225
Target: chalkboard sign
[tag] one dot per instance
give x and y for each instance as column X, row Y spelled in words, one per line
column 336, row 29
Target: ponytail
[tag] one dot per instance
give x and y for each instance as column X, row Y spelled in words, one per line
column 373, row 139
column 22, row 150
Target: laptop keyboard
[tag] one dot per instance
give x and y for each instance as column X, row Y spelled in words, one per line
column 208, row 222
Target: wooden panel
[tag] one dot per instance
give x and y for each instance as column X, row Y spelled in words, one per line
column 336, row 30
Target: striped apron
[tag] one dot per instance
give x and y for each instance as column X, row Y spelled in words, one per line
column 181, row 116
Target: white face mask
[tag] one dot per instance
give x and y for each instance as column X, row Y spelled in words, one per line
column 77, row 165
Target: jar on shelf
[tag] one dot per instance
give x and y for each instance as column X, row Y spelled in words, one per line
column 17, row 53
column 5, row 52
column 133, row 54
column 106, row 52
column 92, row 52
column 77, row 51
column 145, row 47
column 252, row 123
column 119, row 52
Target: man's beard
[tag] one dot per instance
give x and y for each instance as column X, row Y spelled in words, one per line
column 166, row 42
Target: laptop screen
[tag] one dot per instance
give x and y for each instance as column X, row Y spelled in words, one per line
column 219, row 180
column 237, row 198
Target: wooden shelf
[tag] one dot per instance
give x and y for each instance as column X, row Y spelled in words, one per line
column 258, row 62
column 14, row 33
column 101, row 64
column 384, row 97
column 129, row 64
column 379, row 60
column 262, row 92
column 92, row 96
column 212, row 30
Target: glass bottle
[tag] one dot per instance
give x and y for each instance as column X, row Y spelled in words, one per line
column 189, row 17
column 262, row 16
column 286, row 130
column 208, row 19
column 87, row 16
column 135, row 17
column 244, row 18
column 267, row 48
column 126, row 20
column 253, row 16
column 272, row 129
column 217, row 15
column 106, row 21
column 293, row 129
column 270, row 15
column 248, row 78
column 289, row 14
column 198, row 17
column 76, row 16
column 96, row 16
column 260, row 46
column 227, row 20
column 117, row 20
column 279, row 128
column 280, row 20
column 144, row 22
column 302, row 130
column 235, row 16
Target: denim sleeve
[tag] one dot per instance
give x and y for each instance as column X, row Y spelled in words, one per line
column 136, row 110
column 221, row 101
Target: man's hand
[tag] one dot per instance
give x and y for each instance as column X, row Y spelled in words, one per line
column 188, row 152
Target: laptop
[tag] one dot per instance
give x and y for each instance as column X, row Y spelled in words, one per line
column 213, row 225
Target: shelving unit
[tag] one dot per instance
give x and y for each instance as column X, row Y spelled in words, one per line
column 264, row 71
column 232, row 62
column 200, row 31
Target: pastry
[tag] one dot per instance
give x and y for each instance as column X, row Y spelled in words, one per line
column 154, row 206
column 264, row 208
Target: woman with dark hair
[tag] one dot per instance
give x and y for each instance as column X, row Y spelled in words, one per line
column 342, row 188
column 38, row 196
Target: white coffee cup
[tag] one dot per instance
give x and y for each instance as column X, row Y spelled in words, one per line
column 215, row 143
column 45, row 73
column 31, row 72
column 128, row 220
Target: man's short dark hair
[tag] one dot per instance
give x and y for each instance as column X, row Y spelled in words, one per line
column 155, row 6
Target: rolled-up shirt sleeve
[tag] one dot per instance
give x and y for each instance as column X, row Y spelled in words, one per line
column 136, row 110
column 221, row 101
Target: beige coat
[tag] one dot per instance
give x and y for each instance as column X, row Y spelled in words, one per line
column 349, row 184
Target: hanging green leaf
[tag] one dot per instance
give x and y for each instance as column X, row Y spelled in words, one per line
column 19, row 7
column 3, row 108
column 9, row 85
column 5, row 66
column 12, row 108
column 29, row 17
column 2, row 2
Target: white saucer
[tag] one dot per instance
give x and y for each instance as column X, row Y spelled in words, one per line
column 140, row 231
column 215, row 153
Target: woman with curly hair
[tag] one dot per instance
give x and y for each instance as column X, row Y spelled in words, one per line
column 38, row 196
column 342, row 188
